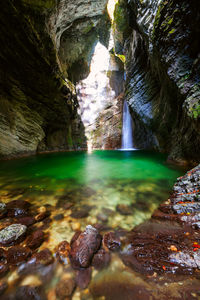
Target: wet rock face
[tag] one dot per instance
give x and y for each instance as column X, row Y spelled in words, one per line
column 162, row 86
column 12, row 234
column 84, row 247
column 40, row 111
column 108, row 126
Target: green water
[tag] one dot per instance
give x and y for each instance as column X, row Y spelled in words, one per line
column 86, row 189
column 102, row 180
column 84, row 167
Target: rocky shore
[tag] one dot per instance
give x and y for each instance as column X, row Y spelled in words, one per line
column 161, row 252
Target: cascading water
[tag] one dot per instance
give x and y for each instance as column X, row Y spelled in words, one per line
column 127, row 134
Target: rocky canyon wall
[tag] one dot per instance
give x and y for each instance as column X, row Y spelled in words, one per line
column 161, row 42
column 42, row 44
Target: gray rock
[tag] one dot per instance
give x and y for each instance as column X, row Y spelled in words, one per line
column 188, row 208
column 11, row 234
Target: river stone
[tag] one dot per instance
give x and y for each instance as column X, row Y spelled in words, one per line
column 83, row 247
column 11, row 234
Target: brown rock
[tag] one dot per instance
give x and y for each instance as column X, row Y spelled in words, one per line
column 111, row 241
column 83, row 277
column 68, row 205
column 41, row 216
column 101, row 259
column 65, row 288
column 43, row 257
column 58, row 217
column 161, row 247
column 18, row 204
column 3, row 287
column 17, row 254
column 84, row 247
column 79, row 214
column 28, row 221
column 3, row 269
column 35, row 239
column 27, row 292
column 124, row 209
column 62, row 252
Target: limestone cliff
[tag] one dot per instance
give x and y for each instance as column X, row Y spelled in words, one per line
column 161, row 42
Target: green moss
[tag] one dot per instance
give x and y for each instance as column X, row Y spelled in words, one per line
column 196, row 111
column 121, row 57
column 119, row 17
column 172, row 31
column 48, row 4
column 170, row 21
column 88, row 28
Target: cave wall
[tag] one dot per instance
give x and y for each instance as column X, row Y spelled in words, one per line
column 161, row 43
column 38, row 103
column 75, row 26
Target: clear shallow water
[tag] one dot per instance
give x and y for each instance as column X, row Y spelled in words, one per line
column 102, row 179
column 94, row 185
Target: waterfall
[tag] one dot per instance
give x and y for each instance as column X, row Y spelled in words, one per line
column 127, row 136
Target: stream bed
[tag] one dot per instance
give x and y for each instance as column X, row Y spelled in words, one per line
column 110, row 190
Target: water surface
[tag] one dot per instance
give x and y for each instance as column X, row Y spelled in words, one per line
column 87, row 189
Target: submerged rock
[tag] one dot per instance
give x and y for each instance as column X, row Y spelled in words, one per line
column 30, row 292
column 124, row 209
column 43, row 257
column 12, row 234
column 35, row 239
column 3, row 269
column 84, row 247
column 79, row 214
column 28, row 221
column 112, row 241
column 62, row 252
column 3, row 287
column 17, row 254
column 65, row 288
column 83, row 277
column 101, row 259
